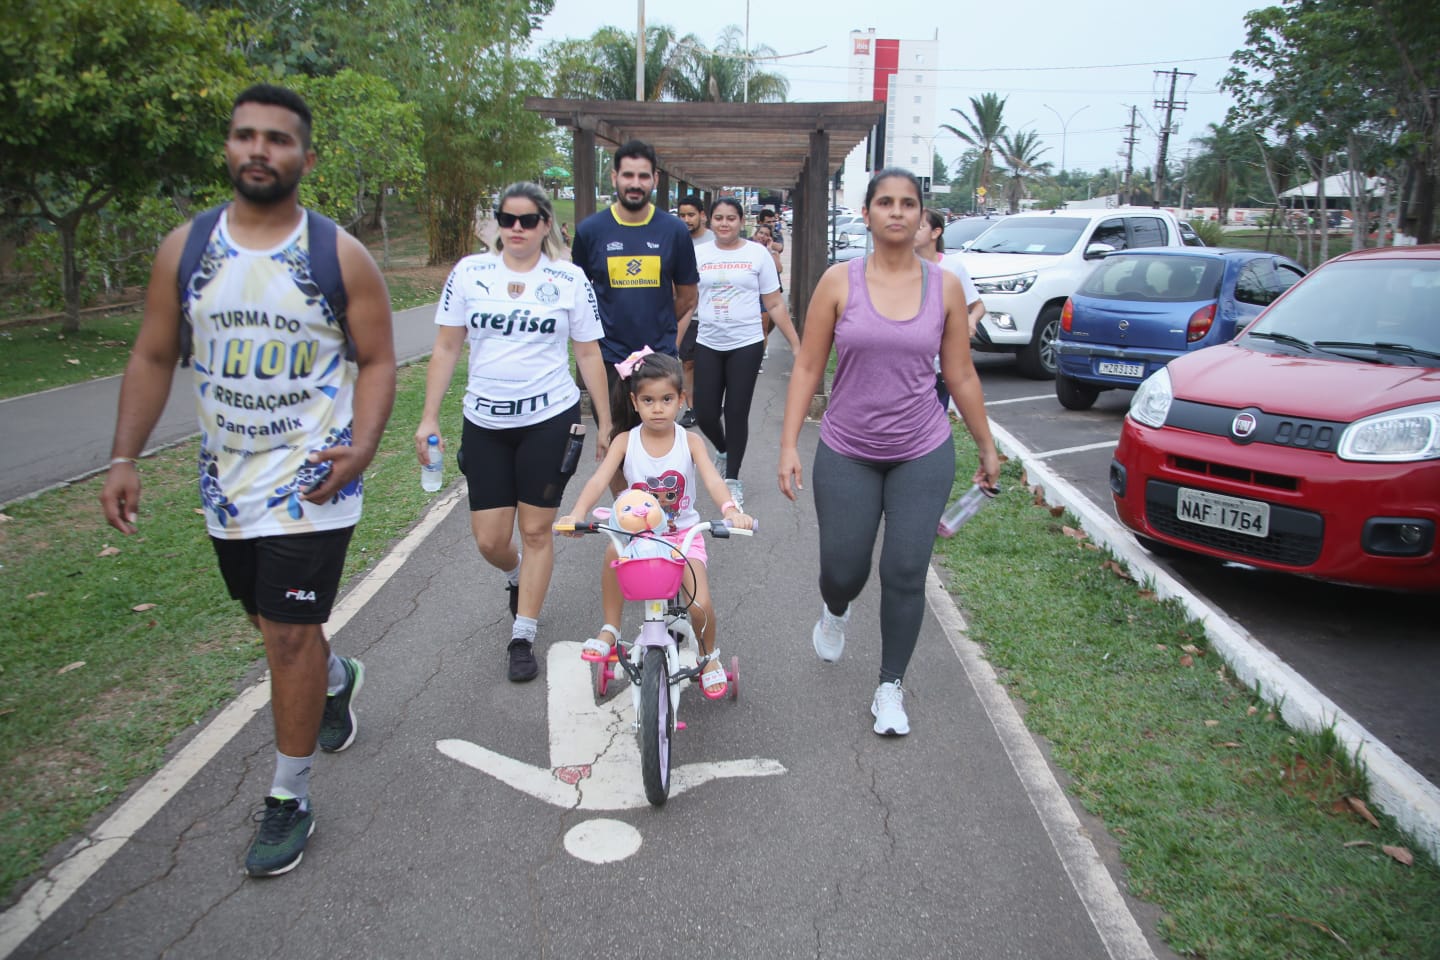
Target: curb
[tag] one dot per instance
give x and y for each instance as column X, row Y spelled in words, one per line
column 1395, row 786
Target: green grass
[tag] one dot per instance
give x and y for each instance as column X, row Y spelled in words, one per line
column 37, row 358
column 1234, row 824
column 72, row 740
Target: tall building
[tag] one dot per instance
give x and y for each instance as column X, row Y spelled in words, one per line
column 902, row 75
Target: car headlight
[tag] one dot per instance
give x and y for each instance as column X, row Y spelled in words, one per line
column 1014, row 283
column 1399, row 436
column 1151, row 403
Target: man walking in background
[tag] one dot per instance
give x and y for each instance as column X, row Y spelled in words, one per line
column 288, row 322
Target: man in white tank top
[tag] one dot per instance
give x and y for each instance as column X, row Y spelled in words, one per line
column 287, row 424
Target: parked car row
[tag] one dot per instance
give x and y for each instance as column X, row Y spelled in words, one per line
column 1309, row 443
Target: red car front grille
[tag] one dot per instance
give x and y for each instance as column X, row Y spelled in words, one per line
column 1257, row 478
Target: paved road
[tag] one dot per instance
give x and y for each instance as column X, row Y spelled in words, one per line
column 64, row 434
column 953, row 842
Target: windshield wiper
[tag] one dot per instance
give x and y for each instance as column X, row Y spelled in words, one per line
column 1400, row 348
column 1285, row 338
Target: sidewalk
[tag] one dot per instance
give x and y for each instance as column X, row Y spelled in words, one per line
column 955, row 841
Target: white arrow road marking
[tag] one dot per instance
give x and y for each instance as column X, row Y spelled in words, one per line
column 594, row 753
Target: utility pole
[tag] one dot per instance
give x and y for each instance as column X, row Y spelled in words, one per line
column 1170, row 105
column 1129, row 142
column 640, row 50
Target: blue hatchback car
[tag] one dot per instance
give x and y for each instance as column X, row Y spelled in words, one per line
column 1141, row 309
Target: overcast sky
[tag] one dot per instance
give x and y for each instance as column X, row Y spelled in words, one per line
column 1088, row 62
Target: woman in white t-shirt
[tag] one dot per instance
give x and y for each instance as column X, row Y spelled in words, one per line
column 520, row 313
column 736, row 278
column 930, row 245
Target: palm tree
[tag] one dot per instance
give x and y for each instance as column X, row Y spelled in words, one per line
column 984, row 126
column 1226, row 159
column 718, row 74
column 1021, row 153
column 602, row 67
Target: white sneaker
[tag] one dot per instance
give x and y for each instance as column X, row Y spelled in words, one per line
column 829, row 634
column 721, row 459
column 737, row 493
column 888, row 708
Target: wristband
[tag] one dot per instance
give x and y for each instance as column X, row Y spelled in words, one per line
column 726, row 506
column 116, row 461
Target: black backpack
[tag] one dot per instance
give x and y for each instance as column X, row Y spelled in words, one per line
column 324, row 266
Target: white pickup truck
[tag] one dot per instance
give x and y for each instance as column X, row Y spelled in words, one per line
column 1027, row 264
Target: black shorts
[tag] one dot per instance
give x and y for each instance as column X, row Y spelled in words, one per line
column 687, row 345
column 287, row 579
column 516, row 465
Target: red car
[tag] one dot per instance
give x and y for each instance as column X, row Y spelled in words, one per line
column 1311, row 443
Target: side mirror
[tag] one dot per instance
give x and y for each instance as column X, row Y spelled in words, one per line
column 1097, row 250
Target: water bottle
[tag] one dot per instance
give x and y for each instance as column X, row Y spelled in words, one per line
column 432, row 473
column 964, row 507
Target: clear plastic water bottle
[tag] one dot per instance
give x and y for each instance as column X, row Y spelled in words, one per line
column 432, row 473
column 965, row 507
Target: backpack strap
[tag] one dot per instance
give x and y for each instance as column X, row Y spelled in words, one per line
column 324, row 265
column 199, row 237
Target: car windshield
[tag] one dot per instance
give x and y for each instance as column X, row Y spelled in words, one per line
column 1382, row 310
column 1047, row 236
column 1155, row 279
column 962, row 231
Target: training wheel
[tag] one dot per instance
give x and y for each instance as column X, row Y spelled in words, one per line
column 602, row 678
column 734, row 677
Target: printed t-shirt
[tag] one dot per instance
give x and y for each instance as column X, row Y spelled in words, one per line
column 731, row 282
column 272, row 385
column 634, row 268
column 669, row 478
column 518, row 327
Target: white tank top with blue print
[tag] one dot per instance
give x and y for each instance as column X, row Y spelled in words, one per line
column 271, row 385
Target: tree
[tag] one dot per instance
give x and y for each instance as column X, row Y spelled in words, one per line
column 461, row 63
column 726, row 73
column 1021, row 153
column 1227, row 158
column 368, row 141
column 1347, row 77
column 602, row 67
column 983, row 128
column 102, row 99
column 939, row 174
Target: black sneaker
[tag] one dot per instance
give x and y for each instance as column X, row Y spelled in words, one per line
column 687, row 419
column 522, row 660
column 337, row 726
column 280, row 842
column 514, row 590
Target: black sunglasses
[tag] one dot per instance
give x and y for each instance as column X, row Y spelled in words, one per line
column 528, row 221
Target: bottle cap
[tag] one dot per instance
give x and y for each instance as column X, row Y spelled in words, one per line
column 433, row 438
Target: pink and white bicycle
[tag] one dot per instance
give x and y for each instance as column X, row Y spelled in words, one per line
column 652, row 660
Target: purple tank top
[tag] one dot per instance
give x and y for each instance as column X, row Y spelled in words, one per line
column 882, row 401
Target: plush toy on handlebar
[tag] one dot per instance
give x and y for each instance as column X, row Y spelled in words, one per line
column 637, row 512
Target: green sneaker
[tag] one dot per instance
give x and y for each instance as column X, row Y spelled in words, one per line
column 337, row 726
column 280, row 842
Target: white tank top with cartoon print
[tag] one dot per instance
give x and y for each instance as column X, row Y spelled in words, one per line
column 669, row 478
column 271, row 385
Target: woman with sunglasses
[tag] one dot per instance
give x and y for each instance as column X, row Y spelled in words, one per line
column 520, row 311
column 737, row 280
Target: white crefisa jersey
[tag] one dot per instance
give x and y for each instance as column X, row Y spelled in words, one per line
column 519, row 327
column 271, row 385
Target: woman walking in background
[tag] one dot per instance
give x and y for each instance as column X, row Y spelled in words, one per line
column 520, row 310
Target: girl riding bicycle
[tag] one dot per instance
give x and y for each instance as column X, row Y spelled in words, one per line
column 660, row 457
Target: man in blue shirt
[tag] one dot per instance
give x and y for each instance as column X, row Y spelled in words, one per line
column 641, row 262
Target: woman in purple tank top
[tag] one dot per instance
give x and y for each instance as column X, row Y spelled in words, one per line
column 885, row 448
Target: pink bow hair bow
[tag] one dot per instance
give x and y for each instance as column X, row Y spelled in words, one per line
column 627, row 366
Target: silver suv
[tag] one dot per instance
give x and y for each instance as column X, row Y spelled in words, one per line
column 1027, row 264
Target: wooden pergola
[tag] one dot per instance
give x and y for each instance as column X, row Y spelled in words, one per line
column 706, row 146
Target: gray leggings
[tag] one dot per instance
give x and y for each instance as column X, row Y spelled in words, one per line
column 850, row 497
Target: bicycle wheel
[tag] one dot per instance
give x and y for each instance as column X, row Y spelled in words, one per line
column 657, row 724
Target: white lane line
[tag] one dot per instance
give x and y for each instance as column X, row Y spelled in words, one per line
column 1395, row 786
column 1038, row 396
column 1085, row 448
column 1109, row 914
column 50, row 892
